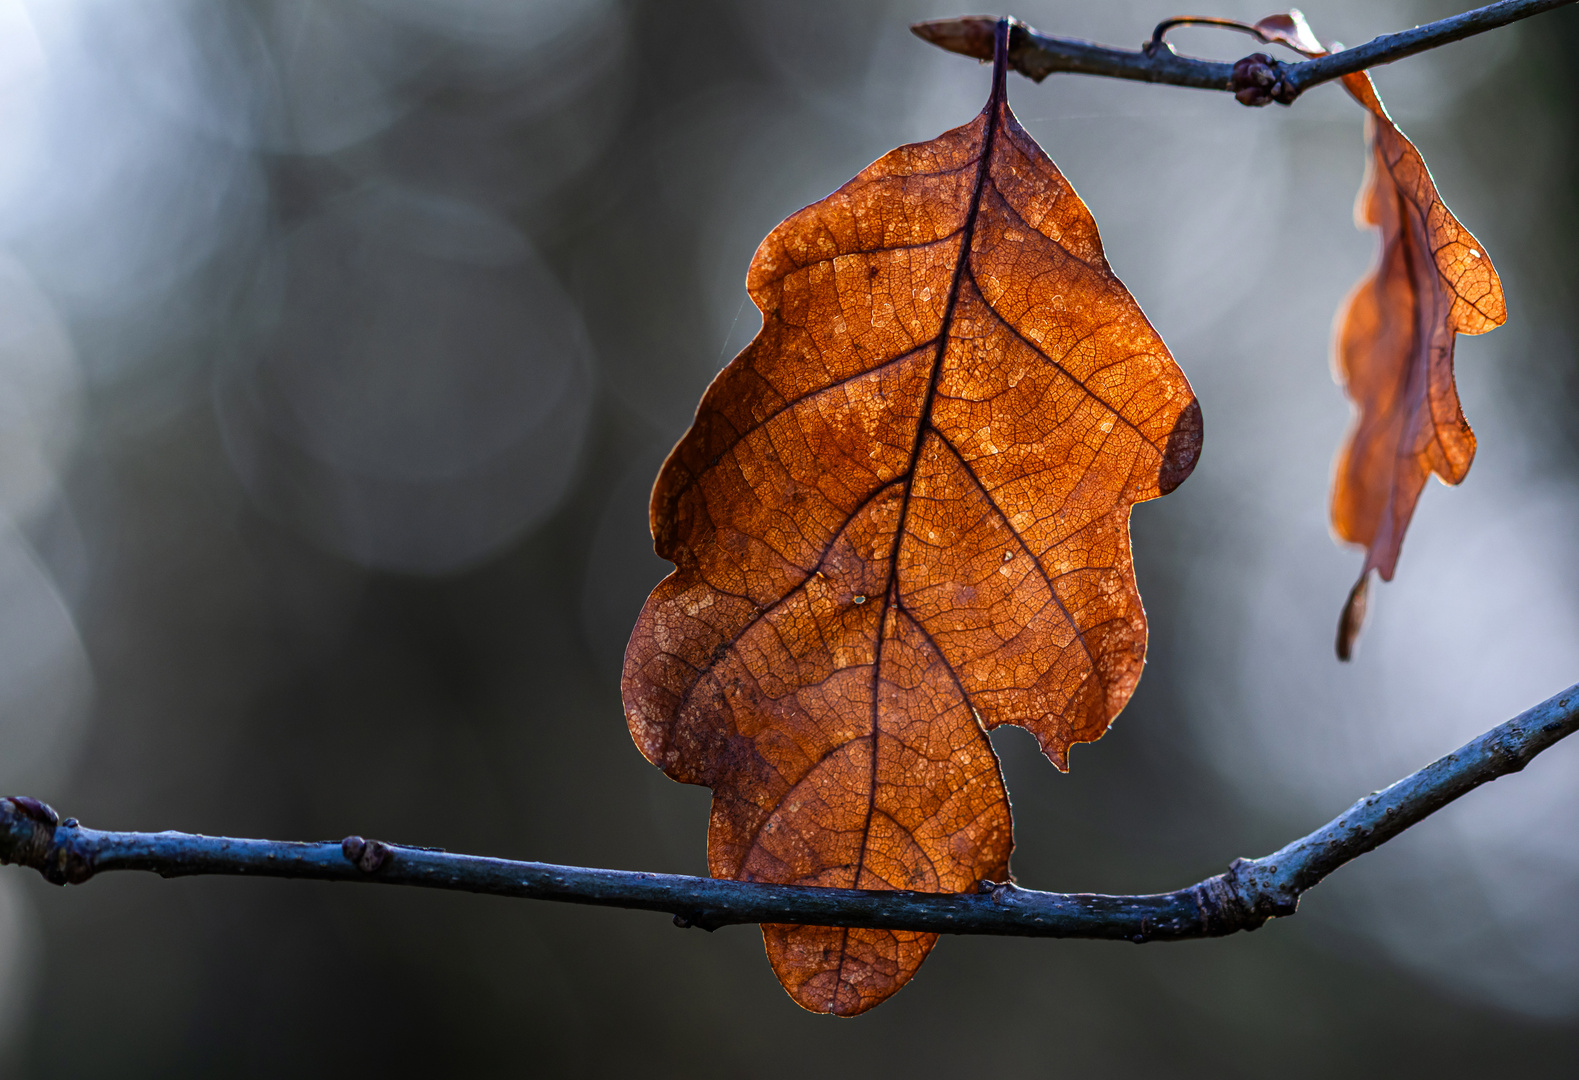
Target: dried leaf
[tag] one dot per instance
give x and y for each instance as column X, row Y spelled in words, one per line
column 1290, row 28
column 900, row 520
column 1395, row 340
column 1395, row 337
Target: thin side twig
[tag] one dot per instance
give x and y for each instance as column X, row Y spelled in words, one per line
column 1255, row 80
column 1249, row 893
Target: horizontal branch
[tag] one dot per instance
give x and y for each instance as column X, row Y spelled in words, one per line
column 1245, row 896
column 1255, row 80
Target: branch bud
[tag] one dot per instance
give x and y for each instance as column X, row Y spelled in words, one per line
column 1259, row 80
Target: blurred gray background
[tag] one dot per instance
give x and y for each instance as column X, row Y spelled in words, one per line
column 339, row 345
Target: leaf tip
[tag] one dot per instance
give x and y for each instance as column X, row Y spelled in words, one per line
column 1353, row 618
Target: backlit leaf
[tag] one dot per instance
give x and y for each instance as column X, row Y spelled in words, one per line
column 901, row 519
column 1395, row 337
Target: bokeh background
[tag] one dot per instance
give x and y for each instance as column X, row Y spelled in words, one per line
column 339, row 345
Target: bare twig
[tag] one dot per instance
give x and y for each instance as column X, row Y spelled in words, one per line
column 1037, row 55
column 1242, row 898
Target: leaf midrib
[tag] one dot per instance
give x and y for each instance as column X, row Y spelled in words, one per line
column 907, row 478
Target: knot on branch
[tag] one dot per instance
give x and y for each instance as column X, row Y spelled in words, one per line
column 1259, row 80
column 1243, row 897
column 1258, row 892
column 700, row 920
column 31, row 834
column 998, row 890
column 366, row 855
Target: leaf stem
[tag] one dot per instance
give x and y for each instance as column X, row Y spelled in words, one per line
column 1249, row 893
column 1037, row 55
column 1161, row 32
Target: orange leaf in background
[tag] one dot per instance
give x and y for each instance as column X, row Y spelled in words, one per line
column 901, row 519
column 1395, row 337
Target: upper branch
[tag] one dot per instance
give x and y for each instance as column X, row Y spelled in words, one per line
column 1255, row 80
column 1242, row 898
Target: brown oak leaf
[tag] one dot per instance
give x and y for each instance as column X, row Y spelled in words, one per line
column 1394, row 341
column 899, row 520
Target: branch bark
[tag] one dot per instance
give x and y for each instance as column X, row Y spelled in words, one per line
column 1249, row 893
column 1037, row 55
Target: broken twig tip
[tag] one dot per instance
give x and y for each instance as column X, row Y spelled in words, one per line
column 968, row 35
